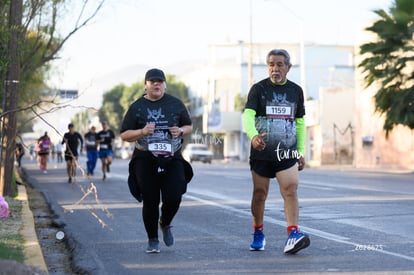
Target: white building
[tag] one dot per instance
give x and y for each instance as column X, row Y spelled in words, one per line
column 325, row 72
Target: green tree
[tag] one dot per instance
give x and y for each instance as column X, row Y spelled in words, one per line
column 10, row 97
column 177, row 89
column 29, row 41
column 83, row 119
column 389, row 62
column 239, row 102
column 117, row 100
column 111, row 109
column 136, row 90
column 131, row 94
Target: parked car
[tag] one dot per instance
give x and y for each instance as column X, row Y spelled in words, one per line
column 197, row 152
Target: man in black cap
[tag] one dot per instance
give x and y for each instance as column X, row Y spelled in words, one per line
column 156, row 122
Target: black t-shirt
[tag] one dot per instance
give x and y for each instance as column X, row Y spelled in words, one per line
column 72, row 142
column 91, row 141
column 276, row 108
column 107, row 137
column 166, row 112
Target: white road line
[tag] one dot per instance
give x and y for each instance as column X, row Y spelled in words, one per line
column 312, row 231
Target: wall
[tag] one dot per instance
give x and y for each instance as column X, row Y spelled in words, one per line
column 337, row 125
column 396, row 151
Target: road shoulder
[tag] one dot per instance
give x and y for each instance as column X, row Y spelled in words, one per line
column 32, row 250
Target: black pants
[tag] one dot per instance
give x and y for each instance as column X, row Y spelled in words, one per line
column 168, row 184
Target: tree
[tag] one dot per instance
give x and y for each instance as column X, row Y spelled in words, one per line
column 83, row 119
column 239, row 102
column 8, row 133
column 389, row 62
column 111, row 109
column 117, row 100
column 33, row 41
column 177, row 89
column 130, row 94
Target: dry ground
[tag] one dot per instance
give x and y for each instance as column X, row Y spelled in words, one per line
column 56, row 253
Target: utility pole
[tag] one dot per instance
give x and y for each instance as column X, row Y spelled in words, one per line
column 250, row 62
column 10, row 98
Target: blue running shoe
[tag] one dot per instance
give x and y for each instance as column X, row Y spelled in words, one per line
column 296, row 241
column 259, row 241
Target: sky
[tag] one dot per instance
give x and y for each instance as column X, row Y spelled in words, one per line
column 127, row 37
column 157, row 33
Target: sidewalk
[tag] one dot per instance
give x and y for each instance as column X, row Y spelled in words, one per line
column 34, row 262
column 32, row 250
column 35, row 259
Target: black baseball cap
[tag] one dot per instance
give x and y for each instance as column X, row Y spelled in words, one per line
column 154, row 74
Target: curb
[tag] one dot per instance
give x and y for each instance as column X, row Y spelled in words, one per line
column 32, row 250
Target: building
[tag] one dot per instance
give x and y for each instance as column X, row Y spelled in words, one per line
column 374, row 149
column 342, row 126
column 325, row 72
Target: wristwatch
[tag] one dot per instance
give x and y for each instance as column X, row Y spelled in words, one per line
column 181, row 132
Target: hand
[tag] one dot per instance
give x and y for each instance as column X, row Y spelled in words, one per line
column 148, row 129
column 258, row 143
column 301, row 163
column 175, row 131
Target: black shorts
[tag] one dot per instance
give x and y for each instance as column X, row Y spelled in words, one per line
column 269, row 169
column 69, row 157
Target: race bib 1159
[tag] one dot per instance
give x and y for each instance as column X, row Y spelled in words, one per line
column 280, row 111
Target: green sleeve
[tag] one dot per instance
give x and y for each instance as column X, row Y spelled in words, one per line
column 300, row 135
column 249, row 122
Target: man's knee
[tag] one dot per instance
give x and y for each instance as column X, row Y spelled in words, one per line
column 289, row 189
column 260, row 193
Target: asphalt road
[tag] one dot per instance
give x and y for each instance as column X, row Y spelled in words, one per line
column 360, row 222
